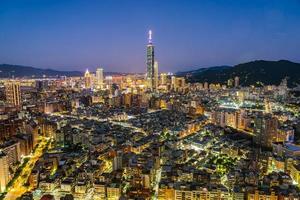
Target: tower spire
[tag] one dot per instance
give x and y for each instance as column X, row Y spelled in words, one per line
column 150, row 36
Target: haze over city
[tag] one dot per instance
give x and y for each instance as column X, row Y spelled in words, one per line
column 75, row 35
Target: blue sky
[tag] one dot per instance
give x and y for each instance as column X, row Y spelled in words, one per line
column 75, row 35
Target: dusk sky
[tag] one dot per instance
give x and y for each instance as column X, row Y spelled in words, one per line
column 187, row 34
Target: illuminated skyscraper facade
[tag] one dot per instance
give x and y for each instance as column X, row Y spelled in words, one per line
column 150, row 63
column 99, row 78
column 155, row 86
column 87, row 80
column 163, row 79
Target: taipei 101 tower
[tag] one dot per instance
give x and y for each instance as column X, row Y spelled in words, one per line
column 150, row 64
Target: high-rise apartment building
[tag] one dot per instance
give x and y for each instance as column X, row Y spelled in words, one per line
column 236, row 81
column 12, row 151
column 13, row 93
column 4, row 172
column 265, row 130
column 117, row 161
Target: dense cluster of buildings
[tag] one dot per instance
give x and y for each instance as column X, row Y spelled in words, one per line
column 152, row 136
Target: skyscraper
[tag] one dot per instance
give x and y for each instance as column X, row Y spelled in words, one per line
column 150, row 62
column 99, row 78
column 117, row 161
column 163, row 78
column 236, row 81
column 13, row 93
column 173, row 83
column 87, row 79
column 155, row 86
column 265, row 130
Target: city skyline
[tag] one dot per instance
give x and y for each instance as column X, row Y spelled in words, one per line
column 107, row 100
column 112, row 34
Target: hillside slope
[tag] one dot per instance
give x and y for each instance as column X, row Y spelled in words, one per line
column 7, row 71
column 267, row 72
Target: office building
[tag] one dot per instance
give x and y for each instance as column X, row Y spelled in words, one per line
column 155, row 75
column 87, row 80
column 163, row 78
column 99, row 78
column 150, row 63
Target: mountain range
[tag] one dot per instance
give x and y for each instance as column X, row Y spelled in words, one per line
column 19, row 71
column 251, row 73
column 8, row 71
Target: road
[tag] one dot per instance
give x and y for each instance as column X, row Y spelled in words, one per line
column 18, row 188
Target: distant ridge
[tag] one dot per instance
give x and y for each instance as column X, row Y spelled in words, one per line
column 200, row 70
column 250, row 73
column 19, row 71
column 8, row 71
